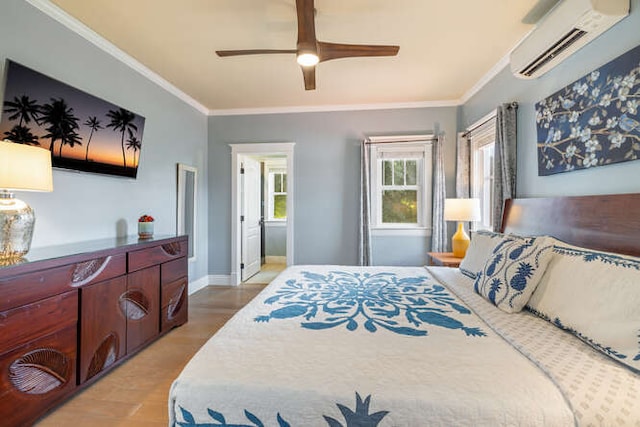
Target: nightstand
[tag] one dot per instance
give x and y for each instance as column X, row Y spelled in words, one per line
column 444, row 259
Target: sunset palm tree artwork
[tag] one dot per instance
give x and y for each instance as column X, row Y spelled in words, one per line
column 81, row 131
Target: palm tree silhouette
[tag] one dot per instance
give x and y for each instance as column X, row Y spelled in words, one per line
column 23, row 108
column 122, row 120
column 62, row 124
column 21, row 135
column 94, row 125
column 69, row 138
column 134, row 144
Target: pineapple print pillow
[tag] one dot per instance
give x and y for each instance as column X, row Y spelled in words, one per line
column 513, row 271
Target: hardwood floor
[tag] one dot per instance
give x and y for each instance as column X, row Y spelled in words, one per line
column 267, row 273
column 136, row 393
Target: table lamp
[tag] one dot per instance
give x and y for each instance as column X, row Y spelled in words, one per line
column 22, row 168
column 461, row 210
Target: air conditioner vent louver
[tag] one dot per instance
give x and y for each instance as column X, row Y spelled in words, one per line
column 561, row 45
column 565, row 29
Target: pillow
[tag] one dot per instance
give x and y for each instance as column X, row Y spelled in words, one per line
column 482, row 244
column 596, row 296
column 513, row 271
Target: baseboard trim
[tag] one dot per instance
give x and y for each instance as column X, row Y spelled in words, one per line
column 196, row 285
column 275, row 259
column 210, row 280
column 220, row 280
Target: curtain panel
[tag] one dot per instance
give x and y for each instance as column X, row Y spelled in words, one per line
column 438, row 227
column 463, row 166
column 504, row 159
column 364, row 234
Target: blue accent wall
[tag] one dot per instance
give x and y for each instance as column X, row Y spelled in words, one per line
column 327, row 178
column 616, row 178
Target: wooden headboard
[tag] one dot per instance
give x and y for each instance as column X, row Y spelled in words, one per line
column 607, row 223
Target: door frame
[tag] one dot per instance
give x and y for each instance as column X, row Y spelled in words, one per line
column 238, row 151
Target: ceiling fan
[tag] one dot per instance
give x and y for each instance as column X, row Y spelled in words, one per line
column 310, row 51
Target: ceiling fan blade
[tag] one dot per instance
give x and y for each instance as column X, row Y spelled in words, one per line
column 329, row 51
column 309, row 74
column 306, row 26
column 253, row 52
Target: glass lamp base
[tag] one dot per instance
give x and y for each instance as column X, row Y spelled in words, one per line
column 16, row 228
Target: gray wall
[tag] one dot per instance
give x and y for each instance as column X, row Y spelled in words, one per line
column 326, row 173
column 276, row 240
column 617, row 178
column 87, row 206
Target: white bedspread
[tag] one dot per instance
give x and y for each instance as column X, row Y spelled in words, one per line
column 601, row 391
column 352, row 346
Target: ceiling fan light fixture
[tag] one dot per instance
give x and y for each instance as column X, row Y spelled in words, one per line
column 307, row 59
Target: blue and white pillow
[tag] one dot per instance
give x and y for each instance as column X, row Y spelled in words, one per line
column 480, row 249
column 595, row 296
column 513, row 271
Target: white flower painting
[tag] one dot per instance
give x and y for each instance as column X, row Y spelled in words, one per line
column 593, row 121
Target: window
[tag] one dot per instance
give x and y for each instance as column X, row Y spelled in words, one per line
column 276, row 200
column 483, row 140
column 401, row 185
column 278, row 195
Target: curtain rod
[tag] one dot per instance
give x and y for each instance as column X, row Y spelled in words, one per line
column 491, row 116
column 396, row 139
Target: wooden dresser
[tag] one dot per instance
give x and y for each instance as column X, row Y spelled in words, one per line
column 69, row 314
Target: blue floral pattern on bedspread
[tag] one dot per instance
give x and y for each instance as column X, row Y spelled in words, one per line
column 358, row 418
column 403, row 305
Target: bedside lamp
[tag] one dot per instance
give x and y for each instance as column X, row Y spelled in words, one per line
column 23, row 168
column 461, row 210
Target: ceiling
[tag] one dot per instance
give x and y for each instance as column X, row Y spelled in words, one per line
column 446, row 47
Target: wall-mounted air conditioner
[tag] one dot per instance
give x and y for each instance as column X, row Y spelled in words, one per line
column 567, row 27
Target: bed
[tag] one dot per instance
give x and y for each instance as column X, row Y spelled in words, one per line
column 412, row 346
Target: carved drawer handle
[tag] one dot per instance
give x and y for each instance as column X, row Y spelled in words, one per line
column 172, row 249
column 176, row 302
column 89, row 270
column 105, row 355
column 134, row 304
column 40, row 371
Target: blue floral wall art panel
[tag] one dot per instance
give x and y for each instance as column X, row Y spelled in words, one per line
column 593, row 121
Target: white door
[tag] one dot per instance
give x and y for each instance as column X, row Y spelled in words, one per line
column 251, row 238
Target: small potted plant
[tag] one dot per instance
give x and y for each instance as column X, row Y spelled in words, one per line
column 145, row 227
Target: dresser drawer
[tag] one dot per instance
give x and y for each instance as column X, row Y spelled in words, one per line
column 156, row 255
column 99, row 269
column 30, row 287
column 36, row 376
column 23, row 324
column 173, row 270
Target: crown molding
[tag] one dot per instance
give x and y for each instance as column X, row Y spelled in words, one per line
column 91, row 36
column 330, row 108
column 493, row 71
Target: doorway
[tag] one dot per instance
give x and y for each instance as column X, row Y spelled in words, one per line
column 262, row 211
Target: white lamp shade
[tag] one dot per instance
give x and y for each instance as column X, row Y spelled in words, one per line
column 23, row 167
column 462, row 210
